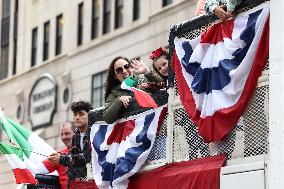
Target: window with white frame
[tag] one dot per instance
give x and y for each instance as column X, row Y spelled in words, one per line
column 45, row 51
column 80, row 24
column 136, row 10
column 58, row 35
column 167, row 2
column 34, row 47
column 5, row 33
column 106, row 16
column 98, row 91
column 118, row 14
column 95, row 19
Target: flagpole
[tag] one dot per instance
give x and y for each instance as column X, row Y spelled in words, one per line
column 276, row 92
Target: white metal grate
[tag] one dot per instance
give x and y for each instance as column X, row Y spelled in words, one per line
column 248, row 138
column 187, row 144
column 158, row 152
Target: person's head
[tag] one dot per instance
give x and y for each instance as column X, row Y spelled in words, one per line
column 160, row 62
column 119, row 68
column 67, row 132
column 80, row 111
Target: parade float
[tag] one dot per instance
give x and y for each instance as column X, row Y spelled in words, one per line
column 221, row 128
column 216, row 130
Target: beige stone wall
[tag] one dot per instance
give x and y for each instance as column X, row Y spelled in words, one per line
column 133, row 39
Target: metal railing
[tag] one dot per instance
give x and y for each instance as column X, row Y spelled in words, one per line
column 178, row 139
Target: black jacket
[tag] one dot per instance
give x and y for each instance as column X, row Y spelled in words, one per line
column 77, row 158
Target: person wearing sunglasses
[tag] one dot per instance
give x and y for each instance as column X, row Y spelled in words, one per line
column 117, row 99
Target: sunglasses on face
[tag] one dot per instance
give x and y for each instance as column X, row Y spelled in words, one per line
column 119, row 70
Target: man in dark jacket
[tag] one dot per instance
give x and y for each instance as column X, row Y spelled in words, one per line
column 80, row 152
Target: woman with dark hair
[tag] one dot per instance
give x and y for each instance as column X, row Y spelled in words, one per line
column 117, row 73
column 117, row 99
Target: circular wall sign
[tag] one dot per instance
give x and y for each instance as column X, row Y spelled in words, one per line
column 43, row 102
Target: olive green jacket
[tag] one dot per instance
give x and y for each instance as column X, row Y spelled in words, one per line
column 113, row 107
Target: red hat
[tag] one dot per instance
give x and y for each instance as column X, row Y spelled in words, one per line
column 156, row 53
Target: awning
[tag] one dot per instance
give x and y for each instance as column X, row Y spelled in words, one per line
column 203, row 173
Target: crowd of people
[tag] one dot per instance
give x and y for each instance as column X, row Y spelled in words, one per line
column 71, row 161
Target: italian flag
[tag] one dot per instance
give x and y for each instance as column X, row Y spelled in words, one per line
column 143, row 99
column 15, row 158
column 35, row 149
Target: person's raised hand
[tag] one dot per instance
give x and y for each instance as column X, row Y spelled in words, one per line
column 139, row 67
column 124, row 100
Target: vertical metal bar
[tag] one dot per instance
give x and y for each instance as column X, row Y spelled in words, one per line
column 276, row 93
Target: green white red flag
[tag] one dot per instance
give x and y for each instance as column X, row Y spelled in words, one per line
column 15, row 158
column 143, row 98
column 35, row 149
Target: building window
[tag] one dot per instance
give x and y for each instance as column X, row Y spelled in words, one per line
column 136, row 10
column 45, row 40
column 167, row 2
column 106, row 16
column 118, row 13
column 4, row 61
column 14, row 56
column 95, row 19
column 5, row 9
column 98, row 89
column 15, row 40
column 5, row 33
column 80, row 24
column 1, row 136
column 59, row 32
column 34, row 47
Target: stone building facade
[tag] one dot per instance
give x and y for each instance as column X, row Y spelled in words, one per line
column 55, row 52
